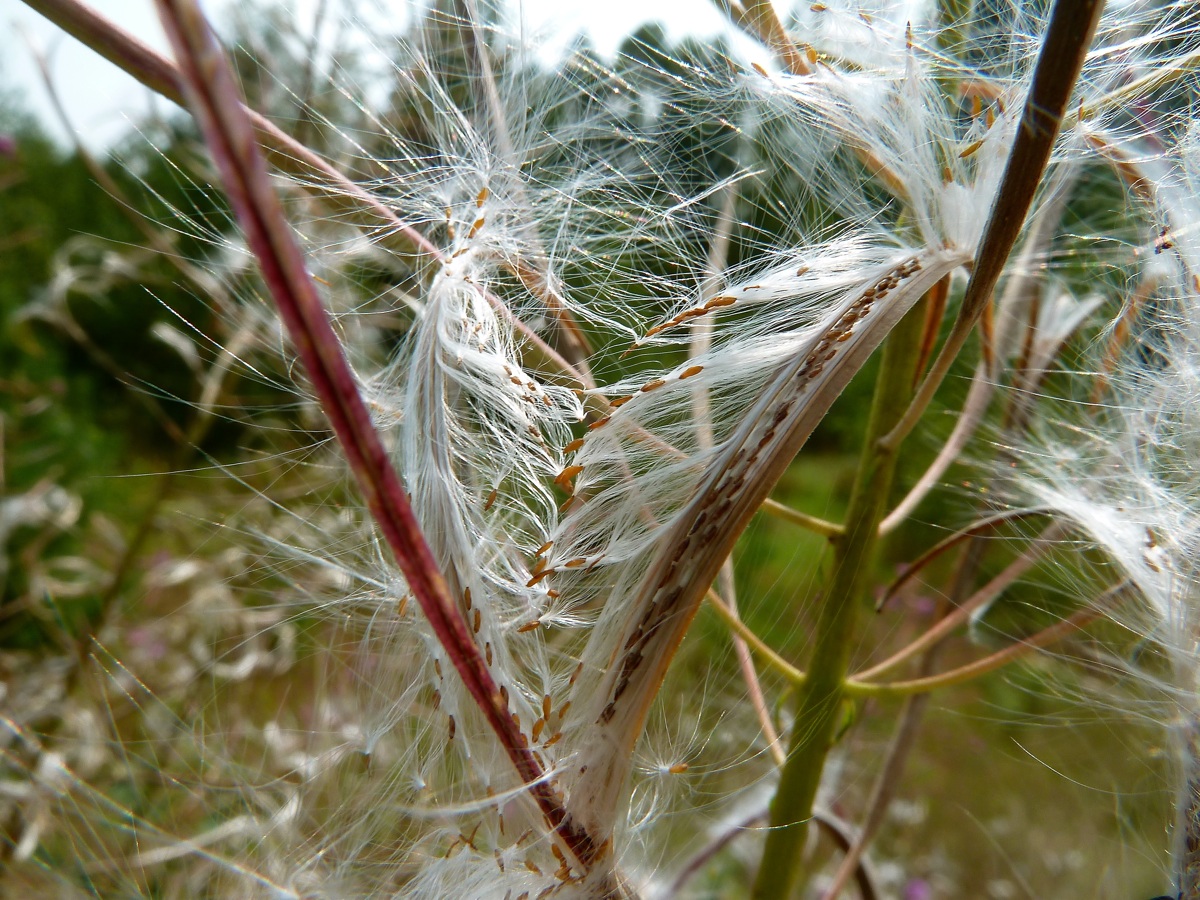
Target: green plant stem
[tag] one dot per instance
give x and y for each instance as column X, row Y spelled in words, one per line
column 820, row 696
column 814, row 524
column 730, row 617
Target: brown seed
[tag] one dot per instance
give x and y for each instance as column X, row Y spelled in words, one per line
column 540, row 573
column 651, row 385
column 690, row 371
column 573, row 446
column 619, row 689
column 529, row 626
column 567, row 474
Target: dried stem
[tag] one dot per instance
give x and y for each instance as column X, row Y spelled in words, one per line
column 965, row 425
column 749, row 675
column 942, row 546
column 973, row 670
column 1068, row 36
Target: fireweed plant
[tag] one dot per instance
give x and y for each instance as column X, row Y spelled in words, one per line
column 603, row 370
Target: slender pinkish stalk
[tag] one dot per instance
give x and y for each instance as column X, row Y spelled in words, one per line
column 985, row 595
column 946, row 544
column 209, row 88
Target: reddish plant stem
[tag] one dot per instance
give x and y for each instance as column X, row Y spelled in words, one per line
column 208, row 85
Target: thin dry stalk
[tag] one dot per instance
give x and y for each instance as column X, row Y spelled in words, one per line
column 209, row 87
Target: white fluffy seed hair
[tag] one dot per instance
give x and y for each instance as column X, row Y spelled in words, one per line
column 1123, row 474
column 1120, row 470
column 481, row 438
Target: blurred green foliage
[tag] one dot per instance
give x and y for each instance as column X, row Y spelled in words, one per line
column 88, row 392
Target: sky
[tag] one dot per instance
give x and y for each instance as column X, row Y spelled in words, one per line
column 102, row 102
